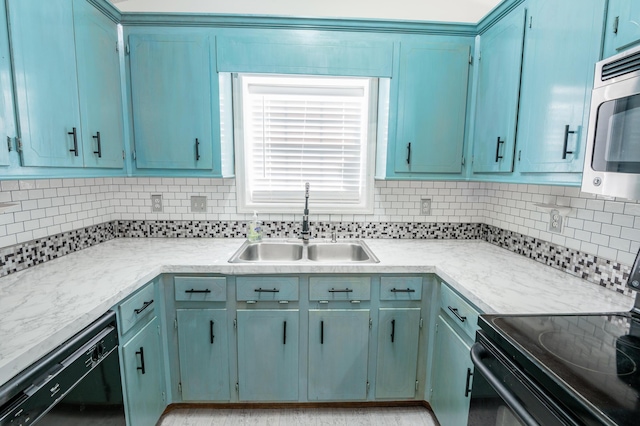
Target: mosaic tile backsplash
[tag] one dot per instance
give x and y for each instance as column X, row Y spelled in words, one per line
column 604, row 272
column 43, row 219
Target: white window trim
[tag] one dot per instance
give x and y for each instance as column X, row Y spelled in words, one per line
column 366, row 206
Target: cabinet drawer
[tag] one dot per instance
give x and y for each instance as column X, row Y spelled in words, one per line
column 136, row 307
column 339, row 288
column 460, row 312
column 205, row 289
column 400, row 288
column 267, row 288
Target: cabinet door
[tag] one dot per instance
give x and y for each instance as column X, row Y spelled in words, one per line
column 451, row 365
column 338, row 354
column 398, row 335
column 562, row 44
column 46, row 83
column 498, row 91
column 99, row 87
column 432, row 105
column 623, row 26
column 268, row 355
column 171, row 101
column 143, row 375
column 203, row 348
column 6, row 93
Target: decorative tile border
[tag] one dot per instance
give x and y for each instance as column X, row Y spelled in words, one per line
column 22, row 256
column 274, row 229
column 604, row 272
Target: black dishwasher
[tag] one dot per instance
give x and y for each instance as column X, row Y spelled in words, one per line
column 76, row 384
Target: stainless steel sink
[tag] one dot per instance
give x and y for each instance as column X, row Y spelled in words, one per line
column 268, row 252
column 352, row 251
column 355, row 251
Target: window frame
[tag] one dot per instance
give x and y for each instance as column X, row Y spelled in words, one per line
column 366, row 202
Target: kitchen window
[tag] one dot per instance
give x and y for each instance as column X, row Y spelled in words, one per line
column 295, row 129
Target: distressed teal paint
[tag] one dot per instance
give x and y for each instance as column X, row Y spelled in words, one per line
column 204, row 354
column 267, row 359
column 338, row 354
column 318, row 54
column 432, row 102
column 497, row 92
column 622, row 31
column 99, row 87
column 172, row 101
column 396, row 373
column 562, row 43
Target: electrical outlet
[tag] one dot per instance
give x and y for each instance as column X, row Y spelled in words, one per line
column 198, row 204
column 425, row 206
column 555, row 221
column 156, row 203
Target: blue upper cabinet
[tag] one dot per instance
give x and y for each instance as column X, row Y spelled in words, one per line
column 497, row 94
column 173, row 88
column 562, row 44
column 99, row 87
column 431, row 108
column 623, row 26
column 67, row 84
column 7, row 123
column 46, row 84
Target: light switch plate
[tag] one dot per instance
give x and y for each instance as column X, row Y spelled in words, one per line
column 198, row 204
column 156, row 203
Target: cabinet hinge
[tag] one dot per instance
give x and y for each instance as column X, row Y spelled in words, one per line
column 175, row 323
column 421, row 322
column 117, row 47
column 436, row 327
column 180, row 387
column 463, row 160
column 237, row 388
column 123, row 155
column 19, row 144
column 616, row 22
column 164, row 397
column 9, row 143
column 530, row 21
column 133, row 155
column 470, row 58
column 519, row 154
column 126, row 49
column 417, row 383
column 235, row 323
column 370, row 323
column 368, row 386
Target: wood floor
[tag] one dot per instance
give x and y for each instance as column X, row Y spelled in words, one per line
column 388, row 416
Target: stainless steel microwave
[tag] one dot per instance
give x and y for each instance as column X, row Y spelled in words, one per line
column 612, row 159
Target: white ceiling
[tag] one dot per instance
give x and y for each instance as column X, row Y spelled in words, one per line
column 414, row 10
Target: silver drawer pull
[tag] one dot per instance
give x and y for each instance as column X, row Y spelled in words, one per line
column 455, row 312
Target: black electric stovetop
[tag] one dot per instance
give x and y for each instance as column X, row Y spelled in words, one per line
column 589, row 363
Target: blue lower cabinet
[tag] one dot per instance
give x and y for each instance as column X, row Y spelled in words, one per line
column 452, row 369
column 338, row 354
column 398, row 335
column 143, row 371
column 268, row 354
column 204, row 354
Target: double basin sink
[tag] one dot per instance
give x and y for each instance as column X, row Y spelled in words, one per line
column 298, row 251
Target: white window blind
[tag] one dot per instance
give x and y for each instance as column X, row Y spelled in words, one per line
column 306, row 129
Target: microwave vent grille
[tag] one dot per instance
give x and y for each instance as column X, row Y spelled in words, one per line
column 622, row 66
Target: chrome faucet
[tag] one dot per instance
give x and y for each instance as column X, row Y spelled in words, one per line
column 306, row 232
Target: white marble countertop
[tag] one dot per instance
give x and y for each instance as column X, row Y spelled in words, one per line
column 43, row 306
